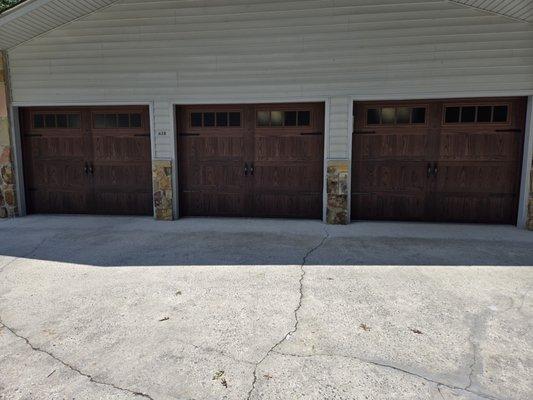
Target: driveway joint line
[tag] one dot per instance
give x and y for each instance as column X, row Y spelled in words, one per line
column 389, row 366
column 296, row 310
column 70, row 367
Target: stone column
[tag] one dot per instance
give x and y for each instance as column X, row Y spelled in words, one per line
column 163, row 192
column 337, row 192
column 8, row 202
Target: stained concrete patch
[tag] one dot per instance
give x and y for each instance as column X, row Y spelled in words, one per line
column 121, row 308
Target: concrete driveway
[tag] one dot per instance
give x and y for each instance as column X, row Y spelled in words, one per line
column 130, row 308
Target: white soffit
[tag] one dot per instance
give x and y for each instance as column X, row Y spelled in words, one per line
column 35, row 17
column 518, row 9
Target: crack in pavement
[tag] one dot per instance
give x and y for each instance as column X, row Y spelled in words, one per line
column 475, row 350
column 393, row 367
column 296, row 310
column 72, row 368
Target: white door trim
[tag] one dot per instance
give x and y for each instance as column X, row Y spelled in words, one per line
column 525, row 180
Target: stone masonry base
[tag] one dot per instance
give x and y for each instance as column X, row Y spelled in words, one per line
column 8, row 202
column 337, row 197
column 163, row 194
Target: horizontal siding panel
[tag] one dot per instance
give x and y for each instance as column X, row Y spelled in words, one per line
column 338, row 127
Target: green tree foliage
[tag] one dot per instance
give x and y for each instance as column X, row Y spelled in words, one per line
column 4, row 4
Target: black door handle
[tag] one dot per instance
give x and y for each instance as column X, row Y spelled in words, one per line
column 435, row 170
column 245, row 169
column 91, row 169
column 252, row 169
column 429, row 170
column 86, row 168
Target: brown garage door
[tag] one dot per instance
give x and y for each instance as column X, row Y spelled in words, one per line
column 263, row 160
column 445, row 160
column 87, row 160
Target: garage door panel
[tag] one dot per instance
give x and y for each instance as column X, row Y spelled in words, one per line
column 58, row 175
column 289, row 148
column 57, row 201
column 475, row 208
column 122, row 148
column 474, row 178
column 125, row 177
column 387, row 146
column 479, row 146
column 390, row 176
column 213, row 176
column 389, row 206
column 217, row 148
column 52, row 147
column 288, row 177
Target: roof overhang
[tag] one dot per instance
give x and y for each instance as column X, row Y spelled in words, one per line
column 33, row 18
column 517, row 9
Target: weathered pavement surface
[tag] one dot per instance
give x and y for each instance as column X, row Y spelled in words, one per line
column 129, row 308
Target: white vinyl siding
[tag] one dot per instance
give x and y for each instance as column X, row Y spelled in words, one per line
column 179, row 51
column 163, row 128
column 339, row 139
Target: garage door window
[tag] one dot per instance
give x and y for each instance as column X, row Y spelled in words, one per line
column 396, row 116
column 280, row 119
column 468, row 114
column 220, row 119
column 117, row 121
column 56, row 121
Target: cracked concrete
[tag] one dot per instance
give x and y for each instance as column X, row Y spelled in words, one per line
column 72, row 368
column 296, row 310
column 121, row 308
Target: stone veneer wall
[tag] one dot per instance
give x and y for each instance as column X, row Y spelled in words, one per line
column 337, row 196
column 163, row 193
column 8, row 201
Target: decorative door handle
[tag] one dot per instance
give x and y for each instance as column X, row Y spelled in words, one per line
column 252, row 169
column 429, row 171
column 435, row 170
column 245, row 169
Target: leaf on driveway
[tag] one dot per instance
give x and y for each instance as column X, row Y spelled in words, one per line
column 164, row 319
column 417, row 331
column 364, row 327
column 219, row 375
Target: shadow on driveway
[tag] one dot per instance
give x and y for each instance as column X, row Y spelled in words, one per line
column 128, row 241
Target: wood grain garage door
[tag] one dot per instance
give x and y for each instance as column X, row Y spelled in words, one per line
column 439, row 160
column 87, row 160
column 263, row 160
